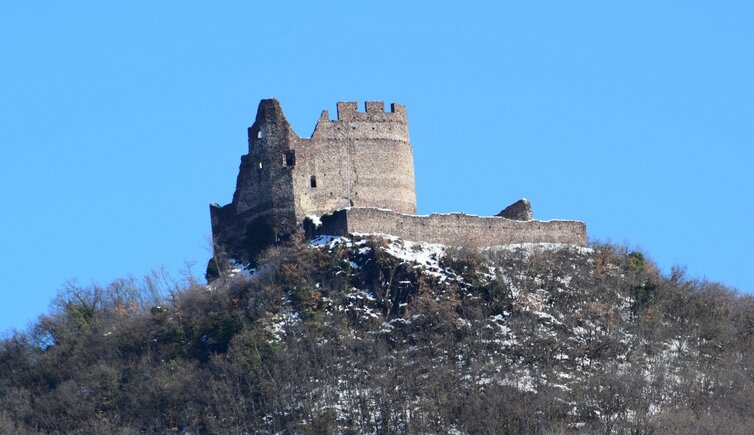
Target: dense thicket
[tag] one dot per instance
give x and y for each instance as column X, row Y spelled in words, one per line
column 351, row 338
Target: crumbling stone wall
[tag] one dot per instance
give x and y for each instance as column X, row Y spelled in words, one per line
column 453, row 229
column 361, row 158
column 262, row 208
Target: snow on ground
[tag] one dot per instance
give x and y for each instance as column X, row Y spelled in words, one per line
column 533, row 247
column 328, row 242
column 316, row 220
column 235, row 271
column 282, row 320
column 426, row 254
column 240, row 270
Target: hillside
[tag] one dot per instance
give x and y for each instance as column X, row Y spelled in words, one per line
column 373, row 335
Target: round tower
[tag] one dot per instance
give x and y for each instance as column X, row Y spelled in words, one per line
column 361, row 159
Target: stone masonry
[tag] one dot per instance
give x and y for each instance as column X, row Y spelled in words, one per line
column 357, row 171
column 519, row 210
column 453, row 229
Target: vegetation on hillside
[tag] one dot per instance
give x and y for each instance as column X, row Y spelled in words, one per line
column 382, row 336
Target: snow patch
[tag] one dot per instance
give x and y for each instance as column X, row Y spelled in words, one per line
column 329, row 242
column 316, row 220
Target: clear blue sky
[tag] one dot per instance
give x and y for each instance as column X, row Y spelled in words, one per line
column 120, row 123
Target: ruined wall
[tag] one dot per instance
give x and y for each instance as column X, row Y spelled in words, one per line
column 359, row 159
column 263, row 203
column 454, row 229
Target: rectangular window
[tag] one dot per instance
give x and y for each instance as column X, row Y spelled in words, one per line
column 290, row 158
column 313, row 181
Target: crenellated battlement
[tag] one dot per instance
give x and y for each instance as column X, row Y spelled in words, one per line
column 372, row 124
column 346, row 109
column 373, row 111
column 374, row 106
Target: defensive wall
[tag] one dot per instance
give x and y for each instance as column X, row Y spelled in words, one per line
column 454, row 229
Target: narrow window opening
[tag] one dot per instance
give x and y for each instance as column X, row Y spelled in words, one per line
column 313, row 181
column 260, row 164
column 290, row 158
column 259, row 133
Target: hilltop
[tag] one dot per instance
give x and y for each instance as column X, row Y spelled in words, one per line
column 377, row 335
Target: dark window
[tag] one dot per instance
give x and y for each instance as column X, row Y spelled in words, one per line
column 313, row 181
column 290, row 158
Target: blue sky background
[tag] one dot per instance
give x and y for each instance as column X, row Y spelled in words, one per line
column 120, row 123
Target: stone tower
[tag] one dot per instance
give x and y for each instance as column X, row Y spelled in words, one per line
column 361, row 159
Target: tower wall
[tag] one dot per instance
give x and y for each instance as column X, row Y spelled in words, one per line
column 361, row 159
column 262, row 209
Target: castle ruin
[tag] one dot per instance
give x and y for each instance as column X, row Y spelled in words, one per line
column 355, row 174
